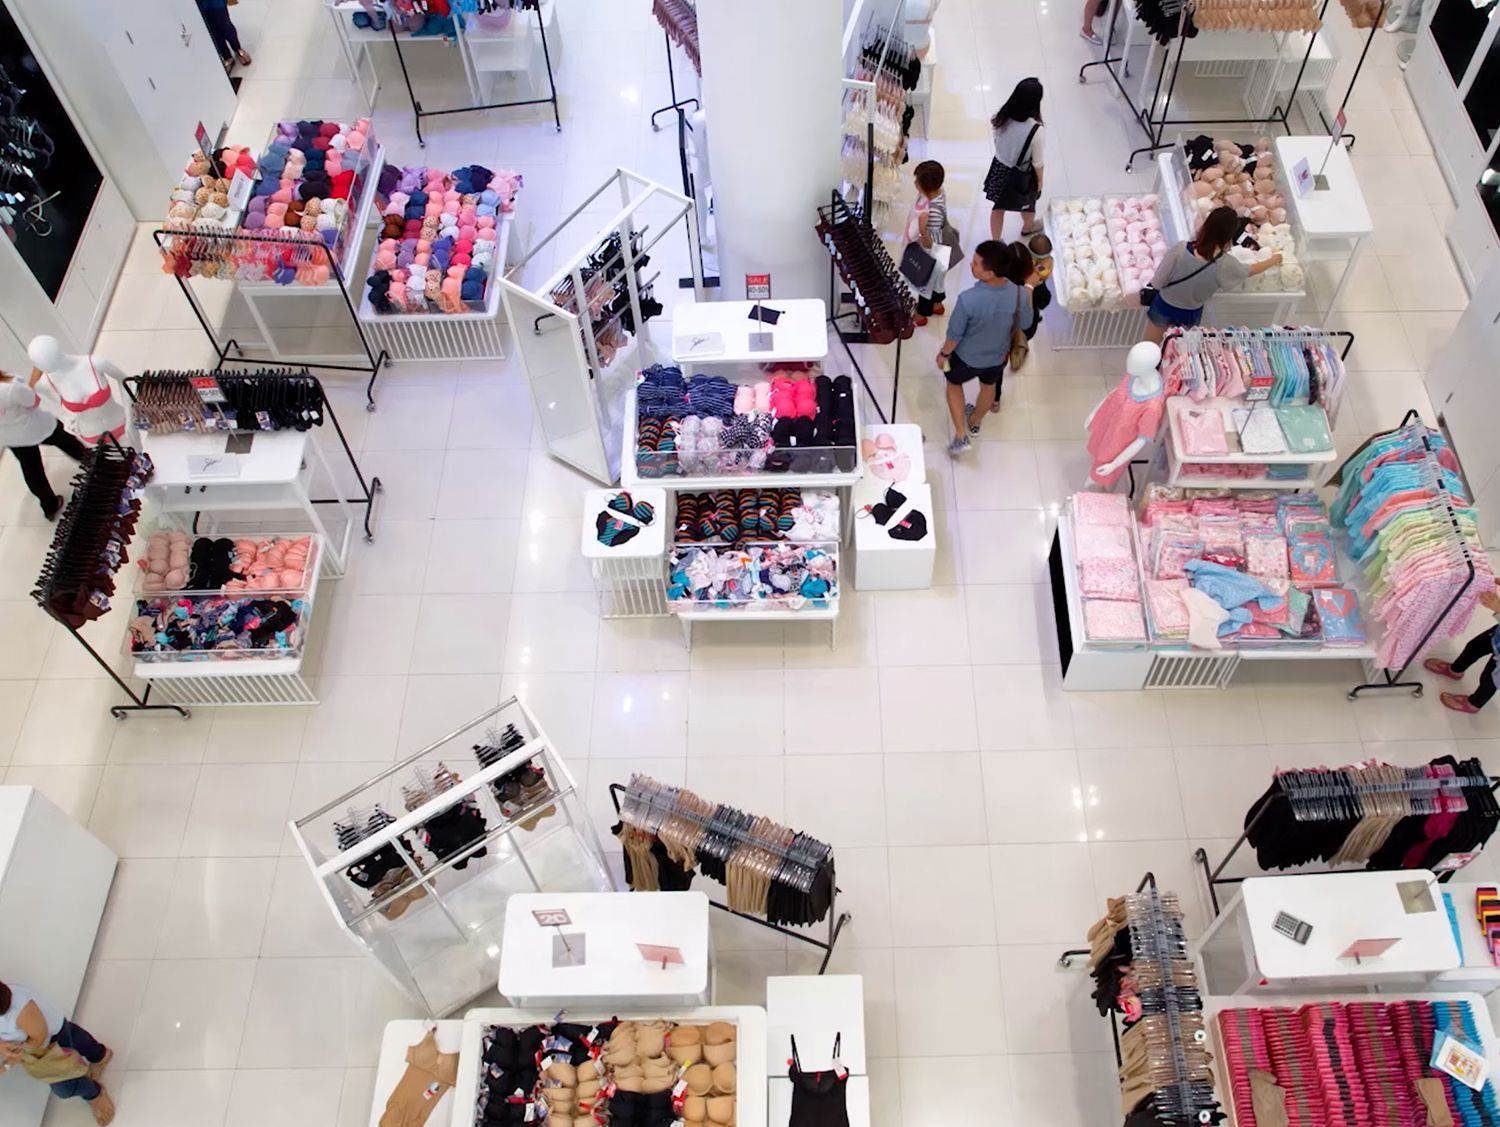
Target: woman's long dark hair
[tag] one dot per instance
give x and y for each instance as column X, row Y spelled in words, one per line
column 1024, row 103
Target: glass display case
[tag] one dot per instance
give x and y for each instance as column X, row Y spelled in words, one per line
column 1457, row 27
column 418, row 862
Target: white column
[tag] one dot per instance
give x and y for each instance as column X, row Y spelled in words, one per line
column 772, row 92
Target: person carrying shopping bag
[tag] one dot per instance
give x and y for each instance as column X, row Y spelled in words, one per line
column 927, row 228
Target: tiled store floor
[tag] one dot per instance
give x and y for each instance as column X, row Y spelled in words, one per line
column 981, row 816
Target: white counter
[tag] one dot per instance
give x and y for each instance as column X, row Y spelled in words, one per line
column 801, row 332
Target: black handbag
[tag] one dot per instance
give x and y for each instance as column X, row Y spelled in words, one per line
column 917, row 265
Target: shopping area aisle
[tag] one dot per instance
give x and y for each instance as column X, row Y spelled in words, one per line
column 980, row 815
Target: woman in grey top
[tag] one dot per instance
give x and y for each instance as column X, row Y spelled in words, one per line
column 1192, row 272
column 1018, row 156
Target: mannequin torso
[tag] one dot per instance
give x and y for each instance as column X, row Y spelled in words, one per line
column 1128, row 417
column 83, row 389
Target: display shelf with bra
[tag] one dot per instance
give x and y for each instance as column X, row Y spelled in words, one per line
column 774, row 875
column 418, row 862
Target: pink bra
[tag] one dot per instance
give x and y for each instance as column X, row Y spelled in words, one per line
column 98, row 399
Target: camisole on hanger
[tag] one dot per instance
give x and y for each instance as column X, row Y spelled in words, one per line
column 819, row 1099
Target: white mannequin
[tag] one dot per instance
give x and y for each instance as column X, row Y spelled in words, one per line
column 1142, row 363
column 81, row 385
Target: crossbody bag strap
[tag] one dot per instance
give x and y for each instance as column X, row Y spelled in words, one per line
column 1189, row 277
column 1026, row 148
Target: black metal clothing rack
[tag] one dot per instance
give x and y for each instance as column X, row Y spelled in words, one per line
column 1067, row 957
column 859, row 333
column 418, row 113
column 678, row 104
column 836, row 919
column 1156, row 128
column 1391, row 678
column 368, row 488
column 1215, row 877
column 108, row 449
column 222, row 351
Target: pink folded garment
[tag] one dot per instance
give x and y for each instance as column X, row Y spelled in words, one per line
column 1265, row 556
column 1202, row 430
column 1101, row 508
column 1102, row 542
column 1169, row 614
column 1109, row 621
column 1108, row 579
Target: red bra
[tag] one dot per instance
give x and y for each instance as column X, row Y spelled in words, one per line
column 98, row 399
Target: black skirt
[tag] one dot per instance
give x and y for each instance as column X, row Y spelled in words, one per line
column 1011, row 189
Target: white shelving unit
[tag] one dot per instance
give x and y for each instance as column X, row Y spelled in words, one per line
column 54, row 881
column 444, row 949
column 227, row 678
column 1177, row 456
column 476, row 335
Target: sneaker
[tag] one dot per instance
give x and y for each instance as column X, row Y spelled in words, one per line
column 969, row 418
column 958, row 446
column 97, row 1070
column 1457, row 702
column 1442, row 669
column 1091, row 36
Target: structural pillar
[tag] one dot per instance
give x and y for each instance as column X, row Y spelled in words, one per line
column 773, row 94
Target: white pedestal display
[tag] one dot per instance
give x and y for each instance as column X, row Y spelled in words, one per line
column 54, row 882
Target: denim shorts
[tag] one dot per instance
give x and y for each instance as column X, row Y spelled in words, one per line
column 1167, row 315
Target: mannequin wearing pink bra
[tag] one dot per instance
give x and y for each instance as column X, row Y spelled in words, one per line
column 81, row 388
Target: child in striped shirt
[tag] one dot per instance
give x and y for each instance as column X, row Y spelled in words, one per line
column 931, row 214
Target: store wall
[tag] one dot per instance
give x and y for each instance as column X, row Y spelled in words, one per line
column 139, row 75
column 772, row 89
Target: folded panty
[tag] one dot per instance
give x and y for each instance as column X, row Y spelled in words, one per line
column 913, row 526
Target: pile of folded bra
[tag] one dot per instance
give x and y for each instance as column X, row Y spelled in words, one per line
column 310, row 172
column 439, row 237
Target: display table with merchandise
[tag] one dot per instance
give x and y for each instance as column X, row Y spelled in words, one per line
column 1262, row 300
column 1378, row 1062
column 1104, row 250
column 1236, row 468
column 617, row 941
column 1478, row 970
column 213, row 664
column 748, row 1024
column 627, row 573
column 399, row 1037
column 1243, row 952
column 47, row 936
column 726, row 332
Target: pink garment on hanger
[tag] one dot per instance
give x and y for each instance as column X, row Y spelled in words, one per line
column 1119, row 421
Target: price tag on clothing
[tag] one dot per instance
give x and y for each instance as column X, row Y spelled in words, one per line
column 239, row 190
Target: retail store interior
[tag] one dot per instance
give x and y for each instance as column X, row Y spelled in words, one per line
column 534, row 631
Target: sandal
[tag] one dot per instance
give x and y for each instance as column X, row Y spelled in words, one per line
column 1457, row 702
column 1442, row 668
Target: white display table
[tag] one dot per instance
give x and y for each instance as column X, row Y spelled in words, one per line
column 615, row 975
column 750, row 1051
column 1333, row 221
column 629, row 578
column 276, row 473
column 54, row 882
column 801, row 333
column 883, row 562
column 400, row 1036
column 1241, row 953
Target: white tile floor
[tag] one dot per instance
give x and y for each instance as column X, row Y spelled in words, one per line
column 981, row 815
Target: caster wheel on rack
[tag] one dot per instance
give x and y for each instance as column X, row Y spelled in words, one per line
column 369, row 407
column 1417, row 692
column 1353, row 696
column 117, row 713
column 376, row 485
column 1065, row 961
column 187, row 713
column 1082, row 81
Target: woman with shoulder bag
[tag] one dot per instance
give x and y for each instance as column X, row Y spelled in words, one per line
column 1014, row 182
column 929, row 229
column 1191, row 273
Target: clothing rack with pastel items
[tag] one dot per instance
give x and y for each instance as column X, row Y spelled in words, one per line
column 1144, row 979
column 1413, row 530
column 613, row 290
column 282, row 259
column 679, row 26
column 207, row 402
column 877, row 118
column 878, row 303
column 1281, row 365
column 774, row 876
column 89, row 545
column 1374, row 815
